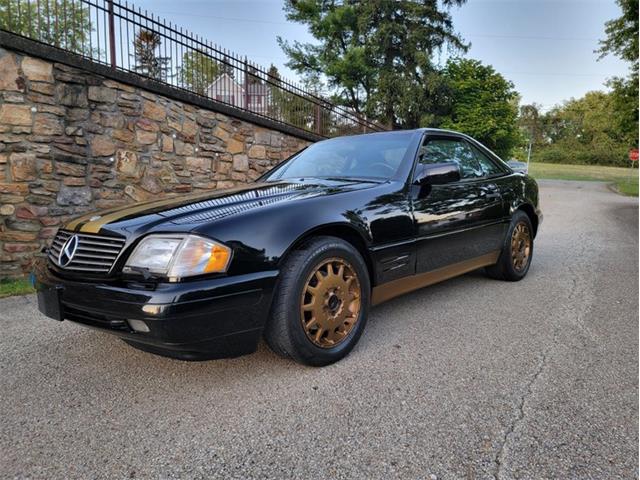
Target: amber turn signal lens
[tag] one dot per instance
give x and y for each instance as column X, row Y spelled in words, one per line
column 218, row 260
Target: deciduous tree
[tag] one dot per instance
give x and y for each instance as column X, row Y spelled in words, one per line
column 198, row 71
column 582, row 131
column 622, row 41
column 59, row 23
column 483, row 104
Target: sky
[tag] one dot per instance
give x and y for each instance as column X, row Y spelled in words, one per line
column 545, row 47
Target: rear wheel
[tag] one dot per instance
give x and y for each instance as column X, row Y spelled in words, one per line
column 517, row 251
column 322, row 302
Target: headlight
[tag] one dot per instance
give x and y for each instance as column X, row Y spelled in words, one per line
column 178, row 256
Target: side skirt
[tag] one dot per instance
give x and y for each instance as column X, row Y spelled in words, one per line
column 389, row 290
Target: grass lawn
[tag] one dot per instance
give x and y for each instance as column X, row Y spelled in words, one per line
column 624, row 179
column 19, row 286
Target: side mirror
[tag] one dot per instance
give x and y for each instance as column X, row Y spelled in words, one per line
column 437, row 174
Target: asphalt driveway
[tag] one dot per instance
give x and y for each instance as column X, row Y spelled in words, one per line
column 472, row 378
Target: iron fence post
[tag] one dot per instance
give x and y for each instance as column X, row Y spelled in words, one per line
column 247, row 96
column 112, row 35
column 318, row 116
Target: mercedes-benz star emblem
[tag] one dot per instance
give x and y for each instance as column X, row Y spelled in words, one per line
column 68, row 251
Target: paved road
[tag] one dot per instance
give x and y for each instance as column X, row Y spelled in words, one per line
column 472, row 378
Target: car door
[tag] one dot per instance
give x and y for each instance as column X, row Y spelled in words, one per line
column 461, row 220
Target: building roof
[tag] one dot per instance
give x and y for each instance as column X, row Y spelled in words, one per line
column 254, row 88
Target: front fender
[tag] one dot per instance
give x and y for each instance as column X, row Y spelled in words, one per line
column 347, row 230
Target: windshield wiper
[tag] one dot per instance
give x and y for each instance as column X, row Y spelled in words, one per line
column 355, row 179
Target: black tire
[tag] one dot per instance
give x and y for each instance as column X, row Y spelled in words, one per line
column 285, row 332
column 505, row 269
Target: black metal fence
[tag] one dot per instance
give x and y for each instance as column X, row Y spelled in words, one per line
column 128, row 39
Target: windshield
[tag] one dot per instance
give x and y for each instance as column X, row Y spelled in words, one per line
column 376, row 157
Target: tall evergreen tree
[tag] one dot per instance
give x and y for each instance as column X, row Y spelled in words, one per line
column 147, row 61
column 377, row 54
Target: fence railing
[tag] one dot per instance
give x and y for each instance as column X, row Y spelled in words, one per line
column 129, row 39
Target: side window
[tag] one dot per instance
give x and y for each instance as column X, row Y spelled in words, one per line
column 487, row 165
column 439, row 150
column 436, row 151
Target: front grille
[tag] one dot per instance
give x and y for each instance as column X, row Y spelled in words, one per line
column 95, row 253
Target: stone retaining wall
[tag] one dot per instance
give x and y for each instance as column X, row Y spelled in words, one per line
column 72, row 141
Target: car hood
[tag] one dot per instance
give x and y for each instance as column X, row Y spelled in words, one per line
column 185, row 212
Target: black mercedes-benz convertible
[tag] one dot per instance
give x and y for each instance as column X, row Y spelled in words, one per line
column 299, row 256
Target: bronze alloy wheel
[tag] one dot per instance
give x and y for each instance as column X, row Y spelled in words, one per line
column 330, row 304
column 520, row 246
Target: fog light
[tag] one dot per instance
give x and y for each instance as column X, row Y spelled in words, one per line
column 153, row 309
column 138, row 325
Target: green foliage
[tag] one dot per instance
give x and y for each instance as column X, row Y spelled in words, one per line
column 287, row 106
column 579, row 154
column 622, row 33
column 198, row 71
column 624, row 98
column 583, row 131
column 376, row 54
column 483, row 105
column 622, row 41
column 59, row 23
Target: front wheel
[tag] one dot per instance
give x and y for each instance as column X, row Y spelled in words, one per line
column 517, row 251
column 321, row 304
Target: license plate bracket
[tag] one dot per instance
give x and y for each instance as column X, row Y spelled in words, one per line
column 49, row 302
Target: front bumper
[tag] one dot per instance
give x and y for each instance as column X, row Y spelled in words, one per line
column 195, row 320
